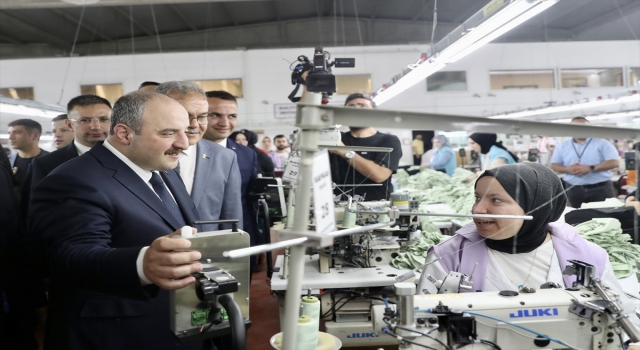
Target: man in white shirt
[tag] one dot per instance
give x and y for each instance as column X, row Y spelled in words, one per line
column 209, row 171
column 106, row 221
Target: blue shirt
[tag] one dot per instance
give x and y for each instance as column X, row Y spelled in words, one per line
column 593, row 151
column 444, row 158
column 496, row 152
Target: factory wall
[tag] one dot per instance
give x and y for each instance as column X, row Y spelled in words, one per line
column 266, row 76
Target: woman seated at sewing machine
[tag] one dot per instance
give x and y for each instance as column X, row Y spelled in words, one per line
column 512, row 254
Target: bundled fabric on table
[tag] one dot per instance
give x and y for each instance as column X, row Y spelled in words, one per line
column 607, row 233
column 430, row 187
column 417, row 252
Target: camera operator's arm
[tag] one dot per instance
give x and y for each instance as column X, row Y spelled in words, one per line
column 367, row 168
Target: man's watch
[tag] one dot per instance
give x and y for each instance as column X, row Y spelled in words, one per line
column 349, row 155
column 593, row 168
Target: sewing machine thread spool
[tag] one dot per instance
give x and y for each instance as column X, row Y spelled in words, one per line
column 311, row 308
column 307, row 334
column 383, row 218
column 349, row 219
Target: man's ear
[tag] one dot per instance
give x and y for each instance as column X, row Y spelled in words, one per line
column 67, row 122
column 123, row 134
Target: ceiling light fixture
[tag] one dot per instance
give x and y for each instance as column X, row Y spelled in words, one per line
column 493, row 20
column 626, row 97
column 604, row 116
column 28, row 111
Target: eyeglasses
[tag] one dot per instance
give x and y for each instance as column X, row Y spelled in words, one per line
column 89, row 121
column 202, row 120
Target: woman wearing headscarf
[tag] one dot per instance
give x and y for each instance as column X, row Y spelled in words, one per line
column 492, row 153
column 249, row 139
column 444, row 158
column 513, row 253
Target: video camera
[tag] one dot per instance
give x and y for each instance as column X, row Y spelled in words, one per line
column 319, row 78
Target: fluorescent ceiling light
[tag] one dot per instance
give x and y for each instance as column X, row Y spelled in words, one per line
column 42, row 137
column 492, row 24
column 604, row 116
column 27, row 111
column 632, row 97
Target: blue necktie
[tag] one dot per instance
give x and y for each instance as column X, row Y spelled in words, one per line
column 162, row 192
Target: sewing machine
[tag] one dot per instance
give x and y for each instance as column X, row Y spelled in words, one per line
column 587, row 316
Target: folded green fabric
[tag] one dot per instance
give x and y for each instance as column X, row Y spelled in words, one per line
column 430, row 187
column 607, row 203
column 607, row 233
column 415, row 253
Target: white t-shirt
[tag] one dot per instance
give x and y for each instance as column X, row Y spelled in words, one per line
column 508, row 271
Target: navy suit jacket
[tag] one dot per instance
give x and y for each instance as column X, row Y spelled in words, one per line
column 42, row 166
column 248, row 164
column 93, row 214
column 217, row 184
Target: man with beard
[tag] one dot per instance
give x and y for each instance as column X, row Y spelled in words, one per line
column 364, row 168
column 587, row 164
column 209, row 171
column 282, row 148
column 108, row 221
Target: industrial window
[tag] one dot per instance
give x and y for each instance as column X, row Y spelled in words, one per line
column 110, row 92
column 351, row 84
column 447, row 81
column 592, row 77
column 24, row 93
column 527, row 79
column 232, row 86
column 634, row 76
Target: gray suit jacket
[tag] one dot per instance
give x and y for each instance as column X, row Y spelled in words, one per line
column 216, row 186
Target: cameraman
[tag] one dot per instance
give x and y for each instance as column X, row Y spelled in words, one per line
column 364, row 168
column 360, row 168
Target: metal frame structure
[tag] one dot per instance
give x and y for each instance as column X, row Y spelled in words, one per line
column 312, row 117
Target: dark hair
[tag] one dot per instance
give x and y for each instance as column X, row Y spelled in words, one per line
column 148, row 83
column 29, row 124
column 279, row 137
column 252, row 137
column 358, row 95
column 221, row 94
column 129, row 109
column 86, row 100
column 580, row 118
column 60, row 117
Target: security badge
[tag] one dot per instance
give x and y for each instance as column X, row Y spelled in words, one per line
column 15, row 170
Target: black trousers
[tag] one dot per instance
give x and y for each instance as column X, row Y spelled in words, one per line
column 417, row 160
column 588, row 193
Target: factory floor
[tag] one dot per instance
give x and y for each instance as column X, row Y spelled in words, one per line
column 264, row 315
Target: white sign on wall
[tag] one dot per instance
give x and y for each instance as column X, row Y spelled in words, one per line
column 284, row 110
column 288, row 110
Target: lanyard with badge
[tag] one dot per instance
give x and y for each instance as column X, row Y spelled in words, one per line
column 579, row 155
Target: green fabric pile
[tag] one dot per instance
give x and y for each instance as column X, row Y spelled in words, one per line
column 416, row 253
column 425, row 179
column 430, row 187
column 607, row 233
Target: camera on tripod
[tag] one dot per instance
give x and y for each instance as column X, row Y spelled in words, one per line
column 320, row 79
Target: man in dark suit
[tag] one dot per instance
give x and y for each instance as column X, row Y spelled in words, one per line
column 209, row 171
column 17, row 322
column 88, row 116
column 24, row 135
column 223, row 118
column 106, row 219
